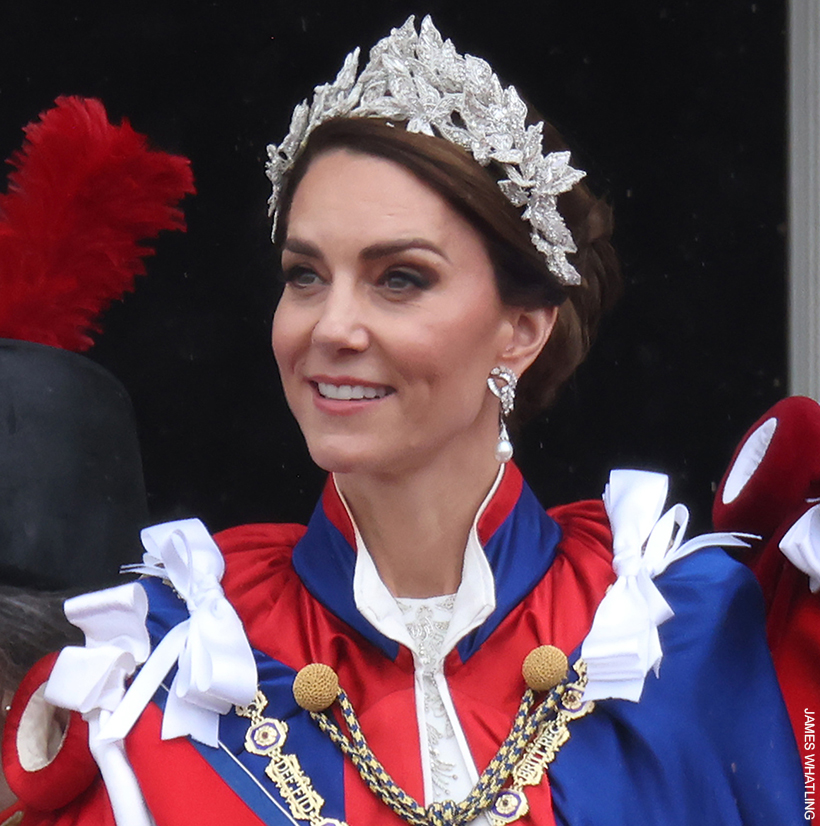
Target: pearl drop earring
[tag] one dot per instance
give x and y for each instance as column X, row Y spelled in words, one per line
column 502, row 382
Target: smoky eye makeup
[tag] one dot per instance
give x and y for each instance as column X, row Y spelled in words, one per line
column 299, row 275
column 406, row 279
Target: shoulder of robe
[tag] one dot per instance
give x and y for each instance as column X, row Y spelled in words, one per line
column 257, row 556
column 584, row 528
column 46, row 758
column 710, row 583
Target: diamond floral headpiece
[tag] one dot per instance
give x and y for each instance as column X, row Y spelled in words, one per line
column 423, row 80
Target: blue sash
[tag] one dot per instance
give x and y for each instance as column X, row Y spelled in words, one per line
column 243, row 771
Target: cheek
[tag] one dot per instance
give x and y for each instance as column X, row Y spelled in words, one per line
column 451, row 360
column 284, row 338
column 475, row 336
column 285, row 344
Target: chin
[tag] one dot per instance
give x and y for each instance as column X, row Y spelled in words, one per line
column 349, row 455
column 340, row 455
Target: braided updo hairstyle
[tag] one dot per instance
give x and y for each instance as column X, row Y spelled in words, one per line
column 521, row 272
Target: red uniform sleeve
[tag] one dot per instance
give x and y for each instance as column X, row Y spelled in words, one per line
column 56, row 781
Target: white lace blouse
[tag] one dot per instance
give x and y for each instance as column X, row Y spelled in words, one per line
column 431, row 628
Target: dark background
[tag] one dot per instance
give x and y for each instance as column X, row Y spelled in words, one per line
column 676, row 109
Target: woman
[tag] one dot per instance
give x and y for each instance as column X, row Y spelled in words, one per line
column 376, row 674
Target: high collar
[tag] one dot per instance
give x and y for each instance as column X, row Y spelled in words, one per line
column 473, row 602
column 517, row 537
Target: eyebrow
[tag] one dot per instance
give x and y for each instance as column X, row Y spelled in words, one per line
column 388, row 248
column 300, row 247
column 371, row 253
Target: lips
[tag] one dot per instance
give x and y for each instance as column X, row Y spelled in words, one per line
column 351, row 392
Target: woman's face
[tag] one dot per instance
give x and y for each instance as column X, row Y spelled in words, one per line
column 390, row 320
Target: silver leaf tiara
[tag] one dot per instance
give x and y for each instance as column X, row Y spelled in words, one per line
column 423, row 80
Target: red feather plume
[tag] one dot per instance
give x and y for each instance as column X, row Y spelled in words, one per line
column 82, row 195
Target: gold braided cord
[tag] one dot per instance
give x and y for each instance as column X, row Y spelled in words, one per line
column 547, row 724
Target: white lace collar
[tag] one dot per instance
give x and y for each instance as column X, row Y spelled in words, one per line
column 475, row 597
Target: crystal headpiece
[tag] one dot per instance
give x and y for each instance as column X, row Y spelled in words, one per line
column 423, row 80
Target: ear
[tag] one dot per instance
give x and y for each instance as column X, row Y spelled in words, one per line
column 530, row 330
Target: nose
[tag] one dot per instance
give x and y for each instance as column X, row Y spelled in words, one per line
column 341, row 322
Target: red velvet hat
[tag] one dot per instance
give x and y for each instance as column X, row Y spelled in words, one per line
column 774, row 471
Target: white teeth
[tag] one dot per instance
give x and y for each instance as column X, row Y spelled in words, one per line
column 346, row 392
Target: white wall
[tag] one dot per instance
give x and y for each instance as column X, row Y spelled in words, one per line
column 804, row 198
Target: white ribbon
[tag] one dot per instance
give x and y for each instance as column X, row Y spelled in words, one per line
column 623, row 643
column 116, row 641
column 801, row 546
column 216, row 665
column 91, row 680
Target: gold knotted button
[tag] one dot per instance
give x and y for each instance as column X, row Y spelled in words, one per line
column 545, row 667
column 316, row 687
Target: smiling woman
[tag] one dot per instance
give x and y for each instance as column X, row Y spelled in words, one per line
column 433, row 648
column 399, row 294
column 389, row 288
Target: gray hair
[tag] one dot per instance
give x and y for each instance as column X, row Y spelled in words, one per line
column 32, row 624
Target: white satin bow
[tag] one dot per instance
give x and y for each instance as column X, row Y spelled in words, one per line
column 216, row 667
column 91, row 680
column 113, row 622
column 801, row 546
column 623, row 643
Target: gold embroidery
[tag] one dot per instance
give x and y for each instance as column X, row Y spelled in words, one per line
column 512, row 804
column 266, row 736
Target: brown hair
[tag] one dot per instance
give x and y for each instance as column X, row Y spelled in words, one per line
column 521, row 272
